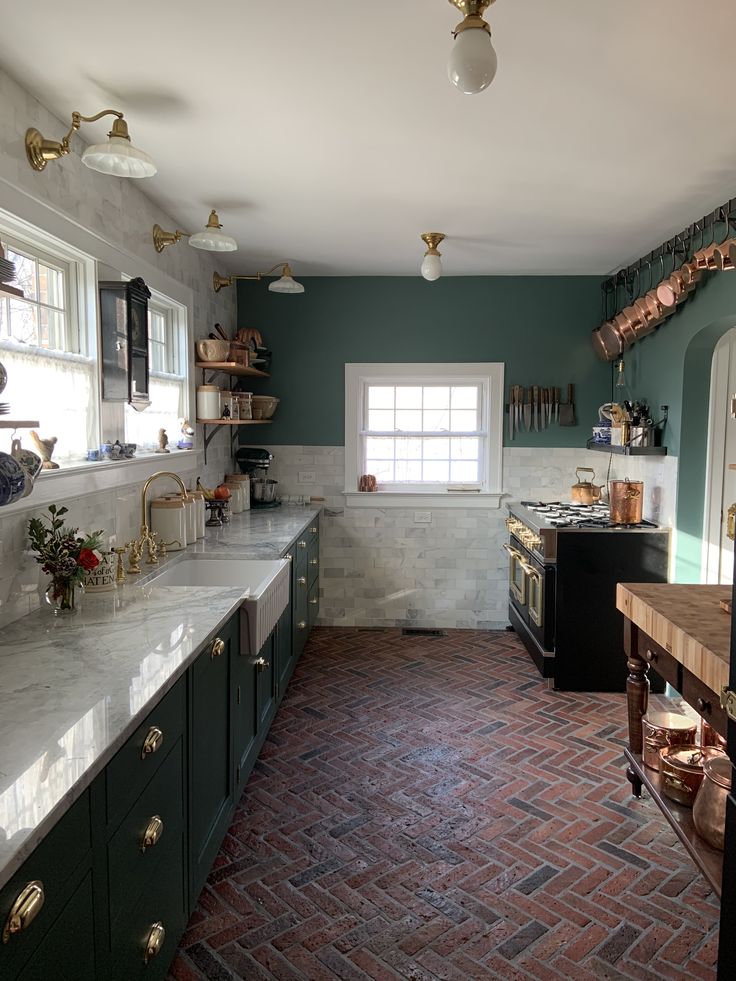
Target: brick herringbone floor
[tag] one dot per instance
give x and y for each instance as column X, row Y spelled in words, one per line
column 426, row 808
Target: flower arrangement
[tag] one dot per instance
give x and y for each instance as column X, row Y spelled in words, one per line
column 63, row 554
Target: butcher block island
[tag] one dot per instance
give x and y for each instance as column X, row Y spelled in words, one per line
column 682, row 632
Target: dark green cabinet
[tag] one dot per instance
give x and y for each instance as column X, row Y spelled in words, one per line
column 283, row 653
column 210, row 766
column 244, row 712
column 67, row 952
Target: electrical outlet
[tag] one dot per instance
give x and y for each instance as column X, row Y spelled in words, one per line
column 422, row 517
column 307, row 476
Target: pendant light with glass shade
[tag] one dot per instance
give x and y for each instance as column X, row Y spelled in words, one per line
column 118, row 157
column 431, row 267
column 473, row 63
column 211, row 239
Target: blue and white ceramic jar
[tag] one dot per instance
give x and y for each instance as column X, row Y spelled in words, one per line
column 12, row 479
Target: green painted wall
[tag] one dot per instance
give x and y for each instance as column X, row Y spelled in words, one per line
column 672, row 367
column 539, row 326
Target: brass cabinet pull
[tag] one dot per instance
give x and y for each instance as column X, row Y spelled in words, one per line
column 731, row 524
column 314, row 561
column 314, row 601
column 153, row 832
column 314, row 529
column 262, row 664
column 302, row 625
column 289, row 557
column 302, row 580
column 301, row 544
column 218, row 646
column 153, row 742
column 155, row 941
column 25, row 909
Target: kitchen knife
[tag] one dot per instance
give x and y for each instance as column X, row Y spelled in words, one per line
column 535, row 407
column 511, row 412
column 567, row 409
column 557, row 405
column 550, row 406
column 528, row 410
column 542, row 407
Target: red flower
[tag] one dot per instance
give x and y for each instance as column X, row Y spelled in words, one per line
column 87, row 559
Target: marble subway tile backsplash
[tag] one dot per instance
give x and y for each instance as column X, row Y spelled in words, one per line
column 380, row 568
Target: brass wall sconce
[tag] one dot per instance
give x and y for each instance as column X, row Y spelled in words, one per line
column 285, row 284
column 117, row 157
column 473, row 63
column 432, row 263
column 211, row 239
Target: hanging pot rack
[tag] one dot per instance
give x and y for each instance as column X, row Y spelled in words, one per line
column 671, row 273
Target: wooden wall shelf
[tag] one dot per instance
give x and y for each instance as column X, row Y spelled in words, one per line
column 18, row 423
column 231, row 368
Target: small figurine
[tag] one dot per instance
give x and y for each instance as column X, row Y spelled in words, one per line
column 45, row 449
column 226, row 412
column 163, row 442
column 186, row 440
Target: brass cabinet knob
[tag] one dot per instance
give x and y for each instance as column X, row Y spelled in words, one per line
column 302, row 625
column 314, row 529
column 153, row 832
column 314, row 561
column 703, row 705
column 155, row 941
column 25, row 909
column 302, row 580
column 314, row 601
column 301, row 544
column 152, row 743
column 218, row 646
column 262, row 664
column 289, row 557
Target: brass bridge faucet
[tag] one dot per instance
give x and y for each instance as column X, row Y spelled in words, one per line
column 147, row 539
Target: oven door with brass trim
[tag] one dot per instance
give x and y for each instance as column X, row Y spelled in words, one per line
column 518, row 580
column 535, row 596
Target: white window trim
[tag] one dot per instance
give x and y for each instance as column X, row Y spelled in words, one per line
column 488, row 373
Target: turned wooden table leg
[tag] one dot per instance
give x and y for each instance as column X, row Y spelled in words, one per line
column 637, row 698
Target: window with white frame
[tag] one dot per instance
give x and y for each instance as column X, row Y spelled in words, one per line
column 425, row 428
column 168, row 385
column 46, row 342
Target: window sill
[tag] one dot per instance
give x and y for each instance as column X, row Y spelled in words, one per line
column 435, row 499
column 53, row 486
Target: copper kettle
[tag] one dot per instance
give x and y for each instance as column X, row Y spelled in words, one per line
column 585, row 491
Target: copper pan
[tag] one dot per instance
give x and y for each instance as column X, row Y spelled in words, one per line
column 650, row 314
column 628, row 322
column 608, row 342
column 667, row 295
column 691, row 273
column 725, row 255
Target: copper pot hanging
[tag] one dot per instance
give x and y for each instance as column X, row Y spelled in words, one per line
column 608, row 341
column 627, row 501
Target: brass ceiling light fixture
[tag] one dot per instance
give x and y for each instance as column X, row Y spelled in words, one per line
column 211, row 239
column 285, row 284
column 473, row 63
column 118, row 157
column 432, row 263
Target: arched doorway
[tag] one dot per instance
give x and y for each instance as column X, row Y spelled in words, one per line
column 720, row 489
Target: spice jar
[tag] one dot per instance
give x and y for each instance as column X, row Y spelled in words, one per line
column 709, row 810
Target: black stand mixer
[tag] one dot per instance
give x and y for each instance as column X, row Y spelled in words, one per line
column 255, row 462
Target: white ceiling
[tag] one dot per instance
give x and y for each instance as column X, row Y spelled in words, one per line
column 327, row 133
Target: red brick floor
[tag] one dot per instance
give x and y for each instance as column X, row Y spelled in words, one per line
column 426, row 808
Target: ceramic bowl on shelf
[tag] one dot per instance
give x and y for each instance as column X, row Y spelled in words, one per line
column 209, row 350
column 265, row 404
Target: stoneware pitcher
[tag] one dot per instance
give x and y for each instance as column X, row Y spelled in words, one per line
column 13, row 479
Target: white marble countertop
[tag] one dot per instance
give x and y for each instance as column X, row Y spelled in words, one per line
column 73, row 689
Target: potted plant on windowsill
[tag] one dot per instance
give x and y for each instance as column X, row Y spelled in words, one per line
column 63, row 554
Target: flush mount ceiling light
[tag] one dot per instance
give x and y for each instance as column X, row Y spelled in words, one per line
column 285, row 284
column 211, row 239
column 472, row 65
column 432, row 262
column 117, row 157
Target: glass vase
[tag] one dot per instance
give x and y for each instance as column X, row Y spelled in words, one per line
column 60, row 595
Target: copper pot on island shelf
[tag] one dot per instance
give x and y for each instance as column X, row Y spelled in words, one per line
column 626, row 499
column 709, row 810
column 368, row 483
column 664, row 729
column 682, row 771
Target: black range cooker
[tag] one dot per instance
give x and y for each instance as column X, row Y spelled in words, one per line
column 564, row 563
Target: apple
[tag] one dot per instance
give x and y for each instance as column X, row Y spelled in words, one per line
column 222, row 492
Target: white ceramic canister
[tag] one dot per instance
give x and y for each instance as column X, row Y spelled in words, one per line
column 236, row 497
column 208, row 402
column 242, row 482
column 200, row 511
column 192, row 515
column 169, row 521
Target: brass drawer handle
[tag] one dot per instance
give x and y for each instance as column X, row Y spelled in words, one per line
column 314, row 561
column 302, row 625
column 152, row 833
column 218, row 646
column 302, row 581
column 314, row 601
column 314, row 529
column 24, row 910
column 262, row 664
column 155, row 941
column 152, row 743
column 301, row 544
